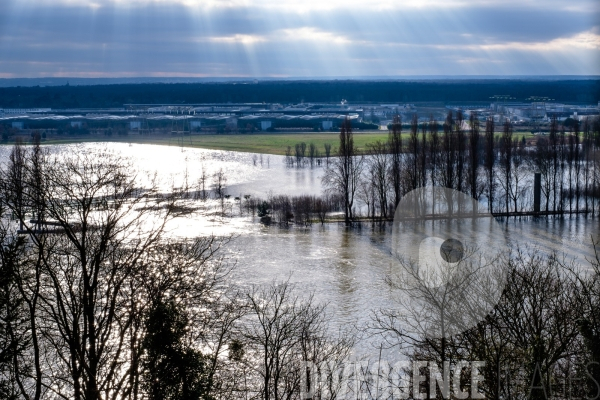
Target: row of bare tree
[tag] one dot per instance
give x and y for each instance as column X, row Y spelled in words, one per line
column 497, row 169
column 304, row 154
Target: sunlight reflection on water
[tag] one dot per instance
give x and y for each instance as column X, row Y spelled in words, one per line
column 345, row 268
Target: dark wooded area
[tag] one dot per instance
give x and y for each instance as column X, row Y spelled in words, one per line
column 446, row 91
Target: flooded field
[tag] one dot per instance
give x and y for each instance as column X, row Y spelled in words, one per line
column 343, row 267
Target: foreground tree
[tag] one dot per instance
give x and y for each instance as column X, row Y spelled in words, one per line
column 531, row 342
column 284, row 333
column 173, row 369
column 588, row 301
column 94, row 229
column 13, row 327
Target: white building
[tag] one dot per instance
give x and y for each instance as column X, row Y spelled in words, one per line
column 264, row 125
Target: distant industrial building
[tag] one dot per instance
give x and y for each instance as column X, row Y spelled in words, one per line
column 24, row 111
column 248, row 117
column 231, row 123
column 265, row 125
column 133, row 125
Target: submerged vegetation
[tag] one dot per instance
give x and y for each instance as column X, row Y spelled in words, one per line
column 496, row 170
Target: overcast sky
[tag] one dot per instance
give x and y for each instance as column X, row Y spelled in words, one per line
column 298, row 38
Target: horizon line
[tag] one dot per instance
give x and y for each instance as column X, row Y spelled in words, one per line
column 56, row 81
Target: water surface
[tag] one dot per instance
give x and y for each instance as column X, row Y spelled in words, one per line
column 343, row 267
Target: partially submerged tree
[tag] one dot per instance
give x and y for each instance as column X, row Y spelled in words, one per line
column 395, row 148
column 342, row 177
column 489, row 161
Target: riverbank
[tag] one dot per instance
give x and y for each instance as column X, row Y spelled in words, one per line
column 266, row 143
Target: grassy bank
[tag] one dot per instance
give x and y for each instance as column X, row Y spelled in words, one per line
column 266, row 143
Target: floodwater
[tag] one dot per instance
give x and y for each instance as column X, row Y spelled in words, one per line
column 345, row 268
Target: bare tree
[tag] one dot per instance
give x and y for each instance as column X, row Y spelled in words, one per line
column 596, row 162
column 413, row 162
column 94, row 229
column 562, row 163
column 474, row 159
column 366, row 194
column 588, row 299
column 327, row 151
column 202, row 185
column 554, row 148
column 577, row 159
column 283, row 333
column 587, row 145
column 461, row 151
column 434, row 150
column 15, row 380
column 219, row 187
column 448, row 154
column 23, row 186
column 312, row 153
column 289, row 159
column 343, row 176
column 378, row 168
column 506, row 153
column 321, row 208
column 519, row 176
column 423, row 155
column 490, row 160
column 300, row 153
column 395, row 148
column 528, row 342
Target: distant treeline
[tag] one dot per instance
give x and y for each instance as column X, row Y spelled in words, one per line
column 447, row 91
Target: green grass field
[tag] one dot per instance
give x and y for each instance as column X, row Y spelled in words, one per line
column 266, row 143
column 276, row 143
